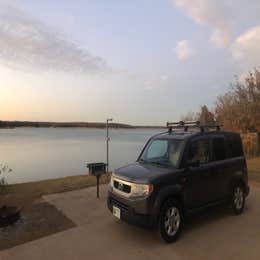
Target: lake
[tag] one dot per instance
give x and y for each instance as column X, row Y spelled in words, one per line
column 44, row 153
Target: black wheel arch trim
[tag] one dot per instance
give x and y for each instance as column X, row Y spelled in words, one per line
column 171, row 191
column 238, row 178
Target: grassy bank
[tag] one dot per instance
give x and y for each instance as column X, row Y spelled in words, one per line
column 25, row 193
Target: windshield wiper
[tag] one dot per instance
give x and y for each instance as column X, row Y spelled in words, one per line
column 153, row 162
column 158, row 163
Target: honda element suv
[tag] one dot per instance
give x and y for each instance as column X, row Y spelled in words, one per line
column 183, row 170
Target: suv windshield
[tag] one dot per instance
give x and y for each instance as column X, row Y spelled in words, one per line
column 162, row 151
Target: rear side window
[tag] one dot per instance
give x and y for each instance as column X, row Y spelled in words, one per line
column 199, row 151
column 234, row 146
column 219, row 151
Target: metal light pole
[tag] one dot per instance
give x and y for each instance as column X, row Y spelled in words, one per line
column 108, row 139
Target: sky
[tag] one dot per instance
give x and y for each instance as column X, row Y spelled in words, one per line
column 138, row 61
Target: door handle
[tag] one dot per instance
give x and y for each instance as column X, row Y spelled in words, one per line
column 214, row 172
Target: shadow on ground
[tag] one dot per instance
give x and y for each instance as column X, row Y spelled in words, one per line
column 193, row 223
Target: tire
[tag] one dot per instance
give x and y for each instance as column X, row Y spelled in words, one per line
column 170, row 221
column 238, row 199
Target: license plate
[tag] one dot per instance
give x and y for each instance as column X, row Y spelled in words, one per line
column 116, row 212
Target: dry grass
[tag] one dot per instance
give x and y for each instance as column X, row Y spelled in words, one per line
column 26, row 193
column 254, row 169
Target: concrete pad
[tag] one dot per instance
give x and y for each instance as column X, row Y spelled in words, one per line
column 81, row 206
column 214, row 234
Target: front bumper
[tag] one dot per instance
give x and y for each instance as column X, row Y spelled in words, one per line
column 133, row 212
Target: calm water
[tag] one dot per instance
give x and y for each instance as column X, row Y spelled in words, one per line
column 45, row 153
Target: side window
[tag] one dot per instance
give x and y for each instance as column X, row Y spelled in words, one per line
column 219, row 150
column 234, row 146
column 238, row 148
column 230, row 146
column 199, row 151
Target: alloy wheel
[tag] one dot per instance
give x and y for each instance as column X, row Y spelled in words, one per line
column 172, row 221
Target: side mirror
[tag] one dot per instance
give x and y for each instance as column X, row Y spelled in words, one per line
column 193, row 164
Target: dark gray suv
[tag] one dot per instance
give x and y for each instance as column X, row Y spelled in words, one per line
column 177, row 173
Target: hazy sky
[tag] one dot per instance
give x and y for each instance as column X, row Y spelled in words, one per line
column 139, row 61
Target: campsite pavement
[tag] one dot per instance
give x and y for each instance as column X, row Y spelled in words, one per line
column 214, row 234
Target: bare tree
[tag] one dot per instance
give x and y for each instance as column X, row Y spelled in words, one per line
column 3, row 170
column 205, row 116
column 239, row 109
column 8, row 214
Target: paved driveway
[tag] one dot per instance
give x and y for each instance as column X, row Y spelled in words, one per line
column 212, row 235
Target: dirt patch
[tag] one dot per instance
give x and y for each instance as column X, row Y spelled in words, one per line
column 37, row 220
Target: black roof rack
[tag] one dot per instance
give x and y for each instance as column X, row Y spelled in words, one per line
column 192, row 124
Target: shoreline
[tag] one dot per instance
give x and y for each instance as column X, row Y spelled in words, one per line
column 100, row 125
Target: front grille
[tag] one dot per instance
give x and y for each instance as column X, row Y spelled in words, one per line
column 122, row 187
column 119, row 204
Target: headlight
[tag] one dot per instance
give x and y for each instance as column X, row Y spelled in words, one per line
column 111, row 180
column 137, row 190
column 141, row 190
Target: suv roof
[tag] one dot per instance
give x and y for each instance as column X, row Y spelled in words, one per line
column 185, row 135
column 179, row 130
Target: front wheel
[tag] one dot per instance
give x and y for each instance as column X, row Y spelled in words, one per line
column 238, row 199
column 170, row 221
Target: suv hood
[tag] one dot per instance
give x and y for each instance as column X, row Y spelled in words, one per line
column 141, row 172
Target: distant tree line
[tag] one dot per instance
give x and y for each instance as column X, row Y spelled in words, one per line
column 13, row 124
column 236, row 110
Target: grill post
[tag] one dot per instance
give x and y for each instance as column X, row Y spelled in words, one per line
column 107, row 141
column 97, row 185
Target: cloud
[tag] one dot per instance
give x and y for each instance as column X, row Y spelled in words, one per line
column 208, row 12
column 221, row 37
column 184, row 51
column 29, row 43
column 246, row 48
